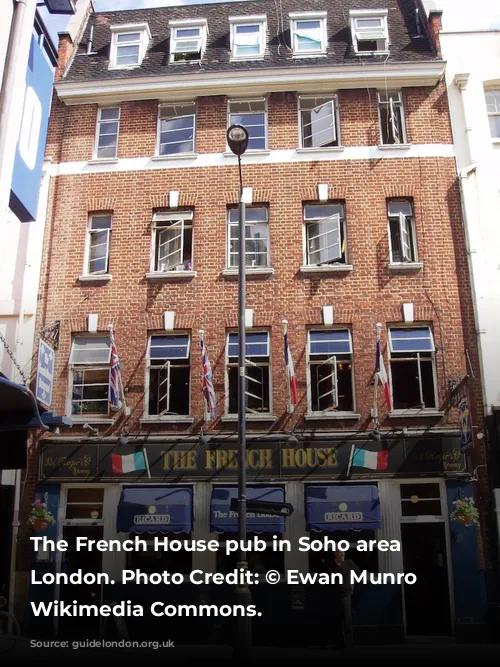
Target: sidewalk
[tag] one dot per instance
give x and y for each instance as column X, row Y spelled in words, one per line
column 409, row 653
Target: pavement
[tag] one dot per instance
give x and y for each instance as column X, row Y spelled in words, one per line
column 394, row 654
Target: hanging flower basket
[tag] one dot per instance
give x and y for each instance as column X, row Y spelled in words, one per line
column 40, row 517
column 465, row 512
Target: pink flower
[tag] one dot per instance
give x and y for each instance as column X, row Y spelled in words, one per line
column 43, row 505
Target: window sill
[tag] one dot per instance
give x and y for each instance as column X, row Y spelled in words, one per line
column 265, row 416
column 170, row 275
column 316, row 416
column 496, row 141
column 125, row 67
column 403, row 267
column 314, row 54
column 360, row 54
column 334, row 268
column 79, row 419
column 429, row 412
column 103, row 160
column 394, row 147
column 245, row 59
column 95, row 278
column 177, row 156
column 168, row 419
column 249, row 271
column 319, row 149
column 250, row 152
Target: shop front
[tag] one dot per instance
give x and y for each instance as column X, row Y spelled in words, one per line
column 186, row 494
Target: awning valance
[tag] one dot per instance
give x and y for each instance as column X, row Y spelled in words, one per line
column 224, row 520
column 155, row 509
column 342, row 507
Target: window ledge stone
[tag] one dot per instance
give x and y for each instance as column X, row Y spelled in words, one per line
column 170, row 275
column 402, row 267
column 239, row 59
column 317, row 416
column 95, row 278
column 315, row 54
column 177, row 156
column 104, row 160
column 250, row 418
column 394, row 147
column 249, row 151
column 250, row 271
column 361, row 54
column 319, row 150
column 167, row 419
column 429, row 412
column 333, row 268
column 80, row 420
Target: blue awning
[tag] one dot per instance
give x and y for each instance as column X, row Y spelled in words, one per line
column 346, row 507
column 155, row 509
column 223, row 520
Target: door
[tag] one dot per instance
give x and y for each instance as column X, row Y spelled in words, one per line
column 427, row 602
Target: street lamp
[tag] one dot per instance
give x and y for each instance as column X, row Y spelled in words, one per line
column 237, row 139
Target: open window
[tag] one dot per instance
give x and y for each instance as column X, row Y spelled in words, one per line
column 252, row 114
column 391, row 118
column 308, row 33
column 257, row 372
column 248, row 37
column 98, row 237
column 176, row 128
column 318, row 121
column 256, row 237
column 172, row 244
column 412, row 368
column 128, row 45
column 324, row 234
column 89, row 363
column 168, row 369
column 187, row 40
column 106, row 141
column 329, row 367
column 402, row 237
column 369, row 31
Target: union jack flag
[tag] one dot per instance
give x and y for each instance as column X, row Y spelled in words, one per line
column 114, row 376
column 208, row 385
column 292, row 380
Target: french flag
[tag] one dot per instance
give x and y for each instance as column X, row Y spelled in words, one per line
column 382, row 376
column 362, row 458
column 292, row 380
column 128, row 463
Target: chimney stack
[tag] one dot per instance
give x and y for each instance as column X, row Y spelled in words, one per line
column 435, row 26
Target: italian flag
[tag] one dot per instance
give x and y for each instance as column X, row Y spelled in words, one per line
column 127, row 463
column 362, row 458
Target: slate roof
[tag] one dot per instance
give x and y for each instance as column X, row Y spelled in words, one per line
column 404, row 45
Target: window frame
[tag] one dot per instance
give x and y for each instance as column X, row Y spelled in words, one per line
column 230, row 224
column 360, row 14
column 432, row 357
column 298, row 17
column 268, row 364
column 187, row 24
column 165, row 105
column 399, row 104
column 166, row 414
column 249, row 100
column 336, row 116
column 412, row 232
column 83, row 366
column 309, row 362
column 143, row 42
column 239, row 21
column 182, row 215
column 88, row 243
column 493, row 114
column 343, row 261
column 99, row 122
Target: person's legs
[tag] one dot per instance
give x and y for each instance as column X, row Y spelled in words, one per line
column 346, row 619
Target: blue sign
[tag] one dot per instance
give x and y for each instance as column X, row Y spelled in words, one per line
column 30, row 150
column 44, row 373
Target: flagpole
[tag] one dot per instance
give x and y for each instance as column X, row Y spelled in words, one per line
column 144, row 451
column 206, row 407
column 350, row 461
column 285, row 331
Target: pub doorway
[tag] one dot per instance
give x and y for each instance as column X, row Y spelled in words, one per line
column 427, row 603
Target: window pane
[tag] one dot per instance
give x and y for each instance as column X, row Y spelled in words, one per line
column 492, row 101
column 319, row 211
column 420, row 491
column 100, row 222
column 110, row 114
column 128, row 37
column 256, row 344
column 169, row 347
column 323, row 242
column 322, row 387
column 411, row 340
column 98, row 254
column 90, row 391
column 187, row 32
column 169, row 246
column 90, row 350
column 495, row 126
column 369, row 23
column 329, row 342
column 395, row 207
column 177, row 135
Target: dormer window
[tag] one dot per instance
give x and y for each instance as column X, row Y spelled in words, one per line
column 128, row 45
column 248, row 37
column 308, row 33
column 369, row 31
column 187, row 40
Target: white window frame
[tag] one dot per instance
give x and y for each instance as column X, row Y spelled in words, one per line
column 227, row 365
column 333, row 99
column 380, row 35
column 493, row 114
column 99, row 124
column 171, row 216
column 336, row 219
column 236, row 22
column 406, row 227
column 332, row 361
column 88, row 243
column 249, row 100
column 145, row 38
column 82, row 366
column 173, row 105
column 167, row 365
column 298, row 17
column 176, row 41
column 395, row 100
column 390, row 351
column 249, row 224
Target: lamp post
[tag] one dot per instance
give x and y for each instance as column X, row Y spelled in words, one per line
column 237, row 139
